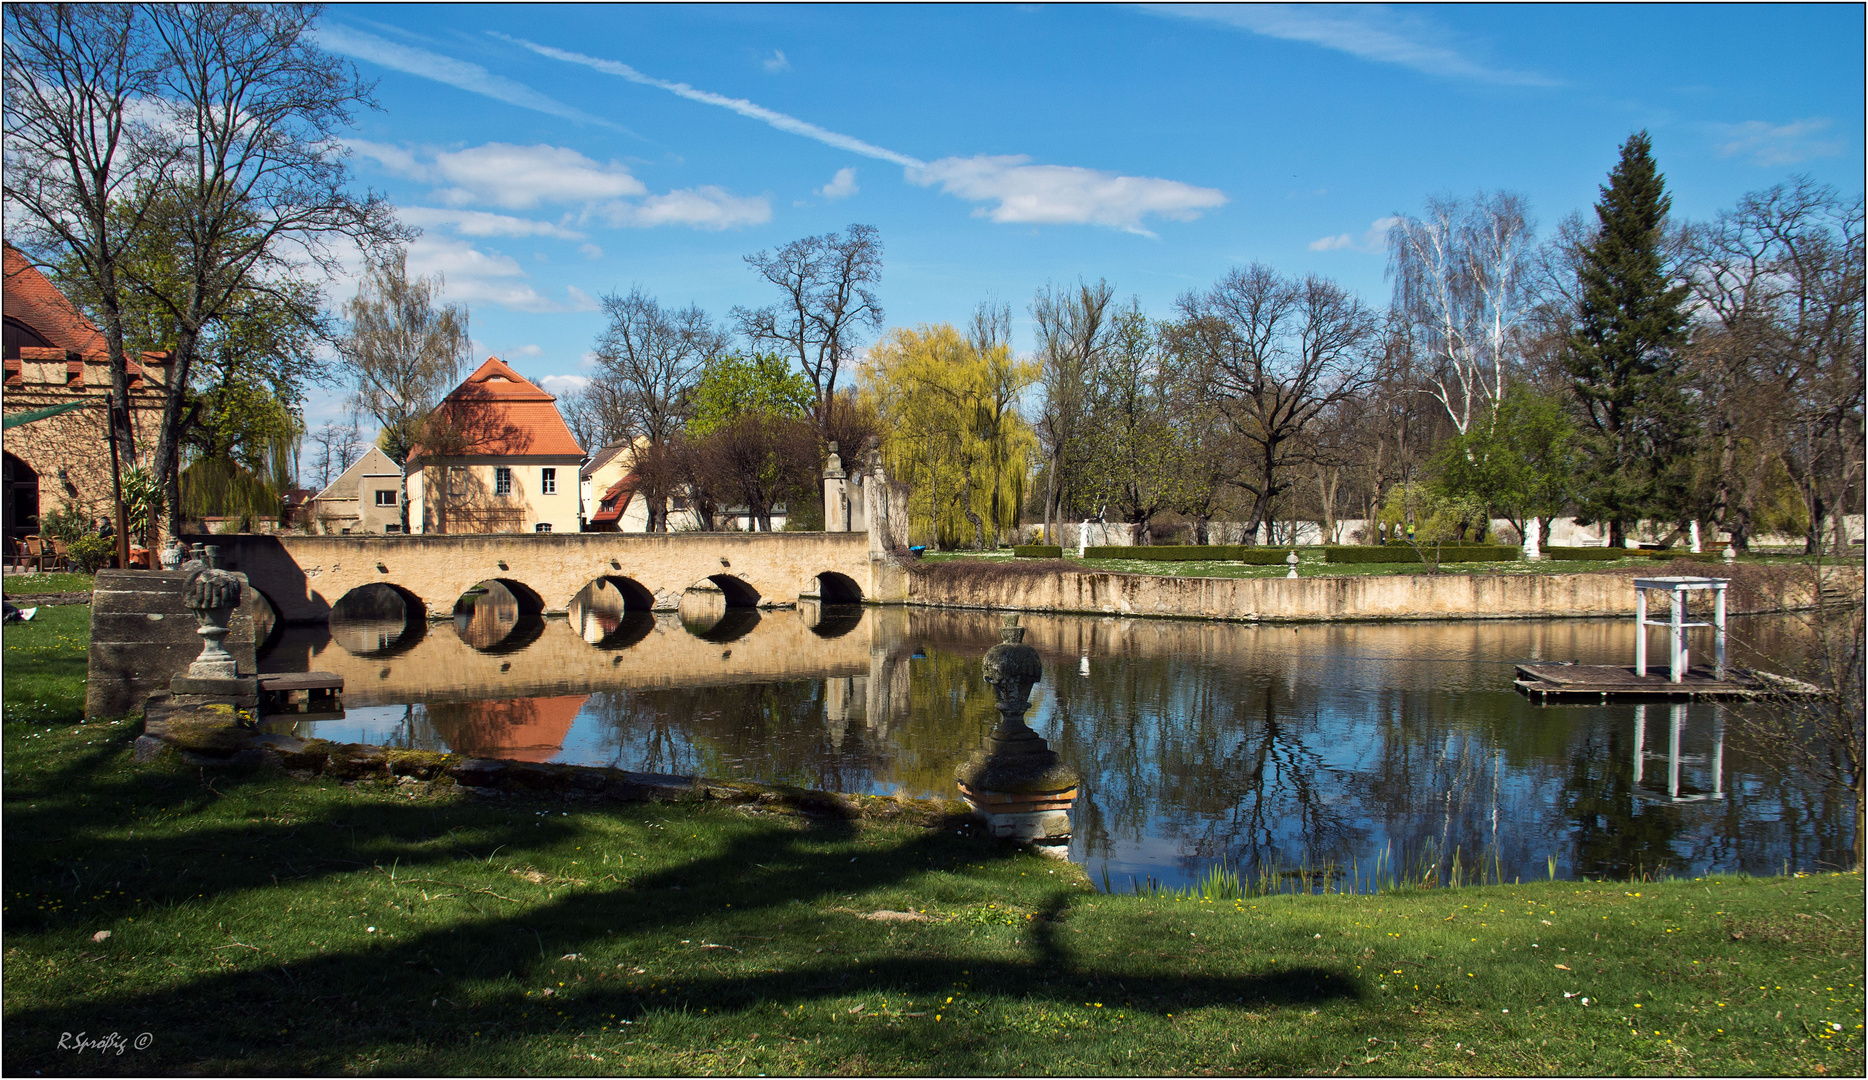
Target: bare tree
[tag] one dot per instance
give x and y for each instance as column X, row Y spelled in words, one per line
column 648, row 360
column 257, row 190
column 1779, row 358
column 1276, row 355
column 1073, row 332
column 1461, row 275
column 78, row 161
column 828, row 284
column 339, row 447
column 405, row 351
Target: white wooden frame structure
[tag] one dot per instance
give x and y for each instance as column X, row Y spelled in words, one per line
column 1677, row 625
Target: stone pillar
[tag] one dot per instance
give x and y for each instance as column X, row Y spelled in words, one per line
column 1014, row 781
column 1693, row 544
column 836, row 496
column 1532, row 530
column 876, row 502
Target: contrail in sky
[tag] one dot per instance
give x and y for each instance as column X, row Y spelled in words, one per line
column 741, row 106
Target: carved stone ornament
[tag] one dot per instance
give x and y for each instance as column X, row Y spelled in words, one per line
column 172, row 554
column 212, row 594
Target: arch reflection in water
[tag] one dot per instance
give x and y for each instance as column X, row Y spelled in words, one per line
column 712, row 614
column 499, row 616
column 612, row 612
column 377, row 620
column 830, row 620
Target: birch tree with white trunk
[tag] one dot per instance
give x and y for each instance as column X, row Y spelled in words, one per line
column 1462, row 272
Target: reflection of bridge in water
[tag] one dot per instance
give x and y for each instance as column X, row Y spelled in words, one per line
column 494, row 648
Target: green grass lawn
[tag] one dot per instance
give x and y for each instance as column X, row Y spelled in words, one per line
column 261, row 923
column 24, row 585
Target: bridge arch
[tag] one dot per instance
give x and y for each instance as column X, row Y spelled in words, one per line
column 612, row 612
column 737, row 591
column 499, row 615
column 834, row 588
column 378, row 619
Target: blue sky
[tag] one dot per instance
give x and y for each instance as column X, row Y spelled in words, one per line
column 554, row 153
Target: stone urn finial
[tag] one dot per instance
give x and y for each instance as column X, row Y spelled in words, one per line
column 212, row 594
column 1014, row 780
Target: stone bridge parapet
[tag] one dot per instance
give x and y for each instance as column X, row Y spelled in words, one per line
column 304, row 576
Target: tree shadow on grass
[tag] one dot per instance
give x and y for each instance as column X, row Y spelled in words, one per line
column 412, row 1000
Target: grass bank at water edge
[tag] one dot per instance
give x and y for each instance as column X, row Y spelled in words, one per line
column 251, row 922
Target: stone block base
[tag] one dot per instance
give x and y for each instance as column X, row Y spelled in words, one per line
column 242, row 692
column 1044, row 825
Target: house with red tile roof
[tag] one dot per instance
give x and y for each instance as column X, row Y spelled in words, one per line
column 53, row 355
column 495, row 458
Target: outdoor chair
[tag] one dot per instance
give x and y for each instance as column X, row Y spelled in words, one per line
column 35, row 553
column 60, row 557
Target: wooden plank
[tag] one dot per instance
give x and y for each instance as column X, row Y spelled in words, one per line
column 301, row 680
column 1603, row 681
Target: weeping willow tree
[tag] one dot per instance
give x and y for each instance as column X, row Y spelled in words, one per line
column 954, row 434
column 245, row 445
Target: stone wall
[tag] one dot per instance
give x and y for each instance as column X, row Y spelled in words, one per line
column 1346, row 598
column 142, row 636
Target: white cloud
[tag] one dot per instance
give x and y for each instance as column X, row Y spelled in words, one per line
column 477, row 277
column 518, row 177
column 481, row 223
column 526, row 350
column 460, row 74
column 505, row 174
column 1025, row 193
column 560, row 385
column 739, row 105
column 1374, row 239
column 590, row 251
column 521, row 177
column 706, row 207
column 1370, row 32
column 776, row 62
column 1776, row 144
column 841, row 186
column 1064, row 194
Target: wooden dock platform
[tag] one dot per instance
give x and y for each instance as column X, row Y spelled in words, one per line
column 1574, row 682
column 301, row 692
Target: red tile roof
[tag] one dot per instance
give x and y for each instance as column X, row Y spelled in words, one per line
column 620, row 492
column 31, row 299
column 498, row 413
column 35, row 301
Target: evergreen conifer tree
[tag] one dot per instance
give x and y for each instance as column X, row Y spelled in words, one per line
column 1624, row 355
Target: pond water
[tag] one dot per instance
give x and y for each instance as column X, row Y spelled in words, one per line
column 1343, row 747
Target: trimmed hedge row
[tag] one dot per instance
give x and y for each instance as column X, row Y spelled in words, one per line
column 1038, row 551
column 1401, row 553
column 1257, row 556
column 1609, row 554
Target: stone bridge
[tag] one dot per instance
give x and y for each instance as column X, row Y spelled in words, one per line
column 305, row 577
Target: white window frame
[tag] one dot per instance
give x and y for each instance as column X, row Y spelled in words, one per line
column 502, row 480
column 548, row 481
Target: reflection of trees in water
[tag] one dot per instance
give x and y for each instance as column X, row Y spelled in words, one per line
column 1230, row 766
column 774, row 731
